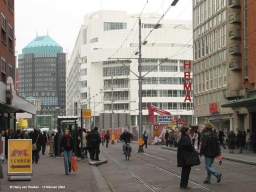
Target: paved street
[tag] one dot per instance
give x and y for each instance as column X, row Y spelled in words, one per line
column 154, row 170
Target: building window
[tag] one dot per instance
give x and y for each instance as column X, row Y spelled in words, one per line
column 3, row 65
column 224, row 74
column 10, row 71
column 150, row 26
column 94, row 40
column 108, row 26
column 83, row 83
column 3, row 28
column 10, row 37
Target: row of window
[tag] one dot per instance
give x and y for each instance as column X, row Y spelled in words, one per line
column 4, row 32
column 206, row 9
column 117, row 83
column 210, row 42
column 115, row 71
column 114, row 26
column 123, row 106
column 163, row 93
column 40, row 51
column 208, row 62
column 210, row 97
column 45, row 94
column 116, row 96
column 170, row 105
column 163, row 80
column 211, row 79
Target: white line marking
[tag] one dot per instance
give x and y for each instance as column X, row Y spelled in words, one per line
column 154, row 156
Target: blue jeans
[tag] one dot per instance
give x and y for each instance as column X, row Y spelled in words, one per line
column 129, row 146
column 67, row 159
column 208, row 166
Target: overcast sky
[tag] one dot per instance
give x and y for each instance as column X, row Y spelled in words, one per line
column 63, row 18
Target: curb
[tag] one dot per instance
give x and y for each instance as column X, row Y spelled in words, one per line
column 96, row 163
column 223, row 157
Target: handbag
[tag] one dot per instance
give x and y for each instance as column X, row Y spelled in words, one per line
column 74, row 163
column 192, row 158
column 34, row 147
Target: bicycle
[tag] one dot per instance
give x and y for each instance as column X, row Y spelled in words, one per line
column 127, row 151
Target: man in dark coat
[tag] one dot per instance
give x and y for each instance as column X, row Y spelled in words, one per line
column 221, row 138
column 166, row 136
column 210, row 149
column 43, row 142
column 239, row 140
column 94, row 139
column 36, row 139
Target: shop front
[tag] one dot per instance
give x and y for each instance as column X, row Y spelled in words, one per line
column 11, row 104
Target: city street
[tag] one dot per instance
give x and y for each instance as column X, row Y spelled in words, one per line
column 154, row 170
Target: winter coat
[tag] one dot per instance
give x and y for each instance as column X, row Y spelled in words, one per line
column 107, row 136
column 210, row 144
column 126, row 137
column 84, row 140
column 231, row 140
column 184, row 146
column 36, row 139
column 63, row 144
column 94, row 138
column 239, row 139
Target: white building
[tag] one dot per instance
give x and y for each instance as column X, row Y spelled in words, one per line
column 90, row 71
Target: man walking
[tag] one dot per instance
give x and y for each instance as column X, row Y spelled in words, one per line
column 221, row 138
column 210, row 149
column 145, row 139
column 166, row 136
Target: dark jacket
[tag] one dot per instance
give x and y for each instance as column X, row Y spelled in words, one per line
column 63, row 144
column 166, row 136
column 107, row 136
column 44, row 138
column 239, row 139
column 184, row 146
column 94, row 138
column 145, row 136
column 126, row 137
column 221, row 136
column 210, row 144
column 36, row 139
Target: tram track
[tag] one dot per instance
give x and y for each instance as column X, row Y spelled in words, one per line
column 150, row 187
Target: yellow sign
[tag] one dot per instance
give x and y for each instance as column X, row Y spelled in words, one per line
column 19, row 156
column 87, row 114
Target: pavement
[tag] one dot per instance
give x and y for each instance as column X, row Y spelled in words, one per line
column 247, row 156
column 49, row 175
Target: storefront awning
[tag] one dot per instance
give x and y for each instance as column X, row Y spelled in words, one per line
column 242, row 103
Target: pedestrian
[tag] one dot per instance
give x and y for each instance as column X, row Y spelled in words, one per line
column 83, row 146
column 67, row 149
column 184, row 147
column 56, row 139
column 239, row 140
column 231, row 141
column 51, row 141
column 248, row 140
column 210, row 149
column 166, row 136
column 221, row 138
column 36, row 140
column 243, row 139
column 102, row 136
column 43, row 142
column 145, row 139
column 7, row 137
column 107, row 137
column 95, row 141
column 253, row 141
column 195, row 140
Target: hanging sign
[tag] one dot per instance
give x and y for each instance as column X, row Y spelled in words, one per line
column 187, row 85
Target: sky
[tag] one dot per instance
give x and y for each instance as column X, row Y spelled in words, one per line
column 62, row 19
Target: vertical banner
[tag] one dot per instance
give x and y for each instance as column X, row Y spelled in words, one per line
column 2, row 155
column 19, row 157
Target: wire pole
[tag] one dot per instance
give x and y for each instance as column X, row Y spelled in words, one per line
column 140, row 96
column 112, row 107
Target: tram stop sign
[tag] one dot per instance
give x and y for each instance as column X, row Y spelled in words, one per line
column 87, row 114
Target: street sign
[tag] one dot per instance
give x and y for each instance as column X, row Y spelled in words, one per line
column 87, row 114
column 19, row 156
column 165, row 118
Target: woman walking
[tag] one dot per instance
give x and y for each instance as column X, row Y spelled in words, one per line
column 184, row 146
column 67, row 147
column 36, row 140
column 232, row 142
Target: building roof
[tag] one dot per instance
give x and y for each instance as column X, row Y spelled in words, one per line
column 42, row 41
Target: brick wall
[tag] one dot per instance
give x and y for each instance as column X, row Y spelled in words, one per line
column 7, row 9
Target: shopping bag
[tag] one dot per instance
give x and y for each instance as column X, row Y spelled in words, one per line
column 220, row 159
column 74, row 163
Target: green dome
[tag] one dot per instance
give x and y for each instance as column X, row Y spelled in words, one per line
column 42, row 46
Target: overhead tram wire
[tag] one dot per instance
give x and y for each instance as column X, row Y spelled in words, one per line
column 131, row 29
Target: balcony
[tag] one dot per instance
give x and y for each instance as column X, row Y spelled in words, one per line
column 234, row 3
column 235, row 49
column 235, row 34
column 234, row 17
column 235, row 64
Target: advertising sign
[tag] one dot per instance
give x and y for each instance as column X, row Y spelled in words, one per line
column 165, row 119
column 156, row 131
column 87, row 114
column 2, row 154
column 19, row 156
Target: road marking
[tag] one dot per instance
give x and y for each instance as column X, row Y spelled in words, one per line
column 154, row 156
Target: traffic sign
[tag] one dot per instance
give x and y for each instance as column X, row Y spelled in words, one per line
column 165, row 118
column 87, row 114
column 19, row 156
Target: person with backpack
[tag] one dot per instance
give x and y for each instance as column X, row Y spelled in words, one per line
column 210, row 149
column 107, row 137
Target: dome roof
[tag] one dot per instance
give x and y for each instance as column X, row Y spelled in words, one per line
column 42, row 41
